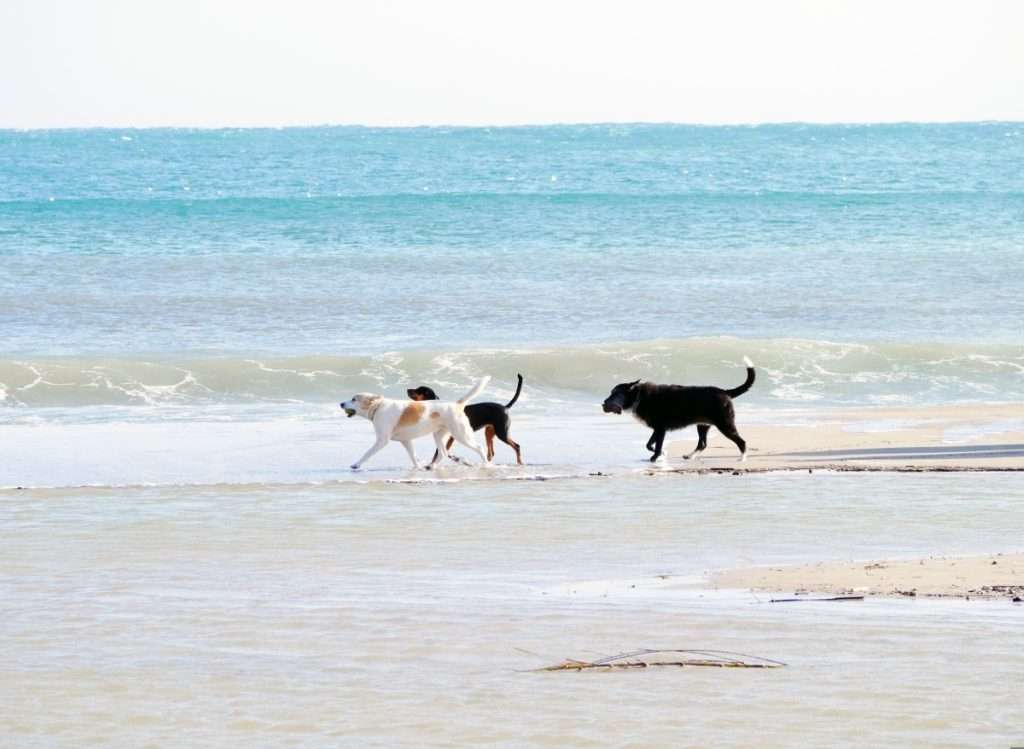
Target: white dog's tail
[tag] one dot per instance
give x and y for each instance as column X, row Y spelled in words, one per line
column 477, row 389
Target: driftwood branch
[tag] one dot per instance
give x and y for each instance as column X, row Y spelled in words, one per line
column 802, row 600
column 651, row 658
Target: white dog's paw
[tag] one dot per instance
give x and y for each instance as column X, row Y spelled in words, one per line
column 743, row 457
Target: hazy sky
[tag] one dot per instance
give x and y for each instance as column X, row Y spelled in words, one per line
column 70, row 63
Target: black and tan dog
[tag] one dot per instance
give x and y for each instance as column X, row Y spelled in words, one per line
column 667, row 407
column 493, row 418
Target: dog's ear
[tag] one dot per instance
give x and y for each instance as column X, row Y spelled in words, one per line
column 634, row 383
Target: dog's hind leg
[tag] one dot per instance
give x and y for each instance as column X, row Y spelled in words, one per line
column 462, row 432
column 728, row 428
column 456, row 458
column 489, row 439
column 501, row 431
column 702, row 440
column 515, row 446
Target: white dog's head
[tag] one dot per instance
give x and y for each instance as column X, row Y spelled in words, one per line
column 363, row 404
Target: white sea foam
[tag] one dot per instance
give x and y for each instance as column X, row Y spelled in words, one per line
column 788, row 371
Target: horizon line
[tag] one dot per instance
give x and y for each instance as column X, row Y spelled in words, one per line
column 522, row 125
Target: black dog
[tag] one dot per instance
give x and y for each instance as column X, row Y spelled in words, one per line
column 667, row 407
column 493, row 416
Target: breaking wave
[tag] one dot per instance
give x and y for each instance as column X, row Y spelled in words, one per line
column 790, row 372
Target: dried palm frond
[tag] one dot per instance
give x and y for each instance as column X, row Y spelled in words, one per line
column 647, row 658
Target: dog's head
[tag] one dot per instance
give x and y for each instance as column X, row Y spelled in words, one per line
column 363, row 404
column 422, row 393
column 622, row 397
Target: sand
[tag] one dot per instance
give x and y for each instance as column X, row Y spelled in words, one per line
column 985, row 437
column 991, row 576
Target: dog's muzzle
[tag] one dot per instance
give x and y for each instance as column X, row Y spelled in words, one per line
column 350, row 412
column 611, row 408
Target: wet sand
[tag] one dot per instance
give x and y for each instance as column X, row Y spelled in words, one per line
column 988, row 576
column 984, row 437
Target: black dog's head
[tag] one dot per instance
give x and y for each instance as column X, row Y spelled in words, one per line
column 622, row 397
column 422, row 393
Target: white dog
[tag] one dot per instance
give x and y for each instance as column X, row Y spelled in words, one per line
column 405, row 420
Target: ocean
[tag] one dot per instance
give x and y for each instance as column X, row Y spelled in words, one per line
column 188, row 554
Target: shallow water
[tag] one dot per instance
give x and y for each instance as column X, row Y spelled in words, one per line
column 410, row 615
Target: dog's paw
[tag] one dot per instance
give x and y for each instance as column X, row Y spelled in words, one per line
column 354, row 466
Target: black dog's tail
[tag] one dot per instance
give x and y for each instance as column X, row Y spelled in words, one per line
column 736, row 392
column 519, row 389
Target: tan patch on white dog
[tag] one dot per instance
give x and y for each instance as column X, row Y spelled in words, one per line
column 412, row 414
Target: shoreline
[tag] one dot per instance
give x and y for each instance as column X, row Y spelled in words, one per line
column 424, row 478
column 974, row 437
column 963, row 438
column 986, row 577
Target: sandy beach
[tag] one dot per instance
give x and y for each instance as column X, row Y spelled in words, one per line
column 985, row 577
column 956, row 438
column 975, row 437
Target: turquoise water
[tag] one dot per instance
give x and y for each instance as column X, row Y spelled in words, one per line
column 349, row 241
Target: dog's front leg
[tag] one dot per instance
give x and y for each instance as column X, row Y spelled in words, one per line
column 659, row 440
column 407, row 444
column 382, row 440
column 650, row 442
column 377, row 447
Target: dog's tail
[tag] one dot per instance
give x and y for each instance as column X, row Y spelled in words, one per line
column 736, row 392
column 519, row 389
column 477, row 389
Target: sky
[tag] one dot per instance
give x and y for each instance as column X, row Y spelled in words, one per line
column 231, row 63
